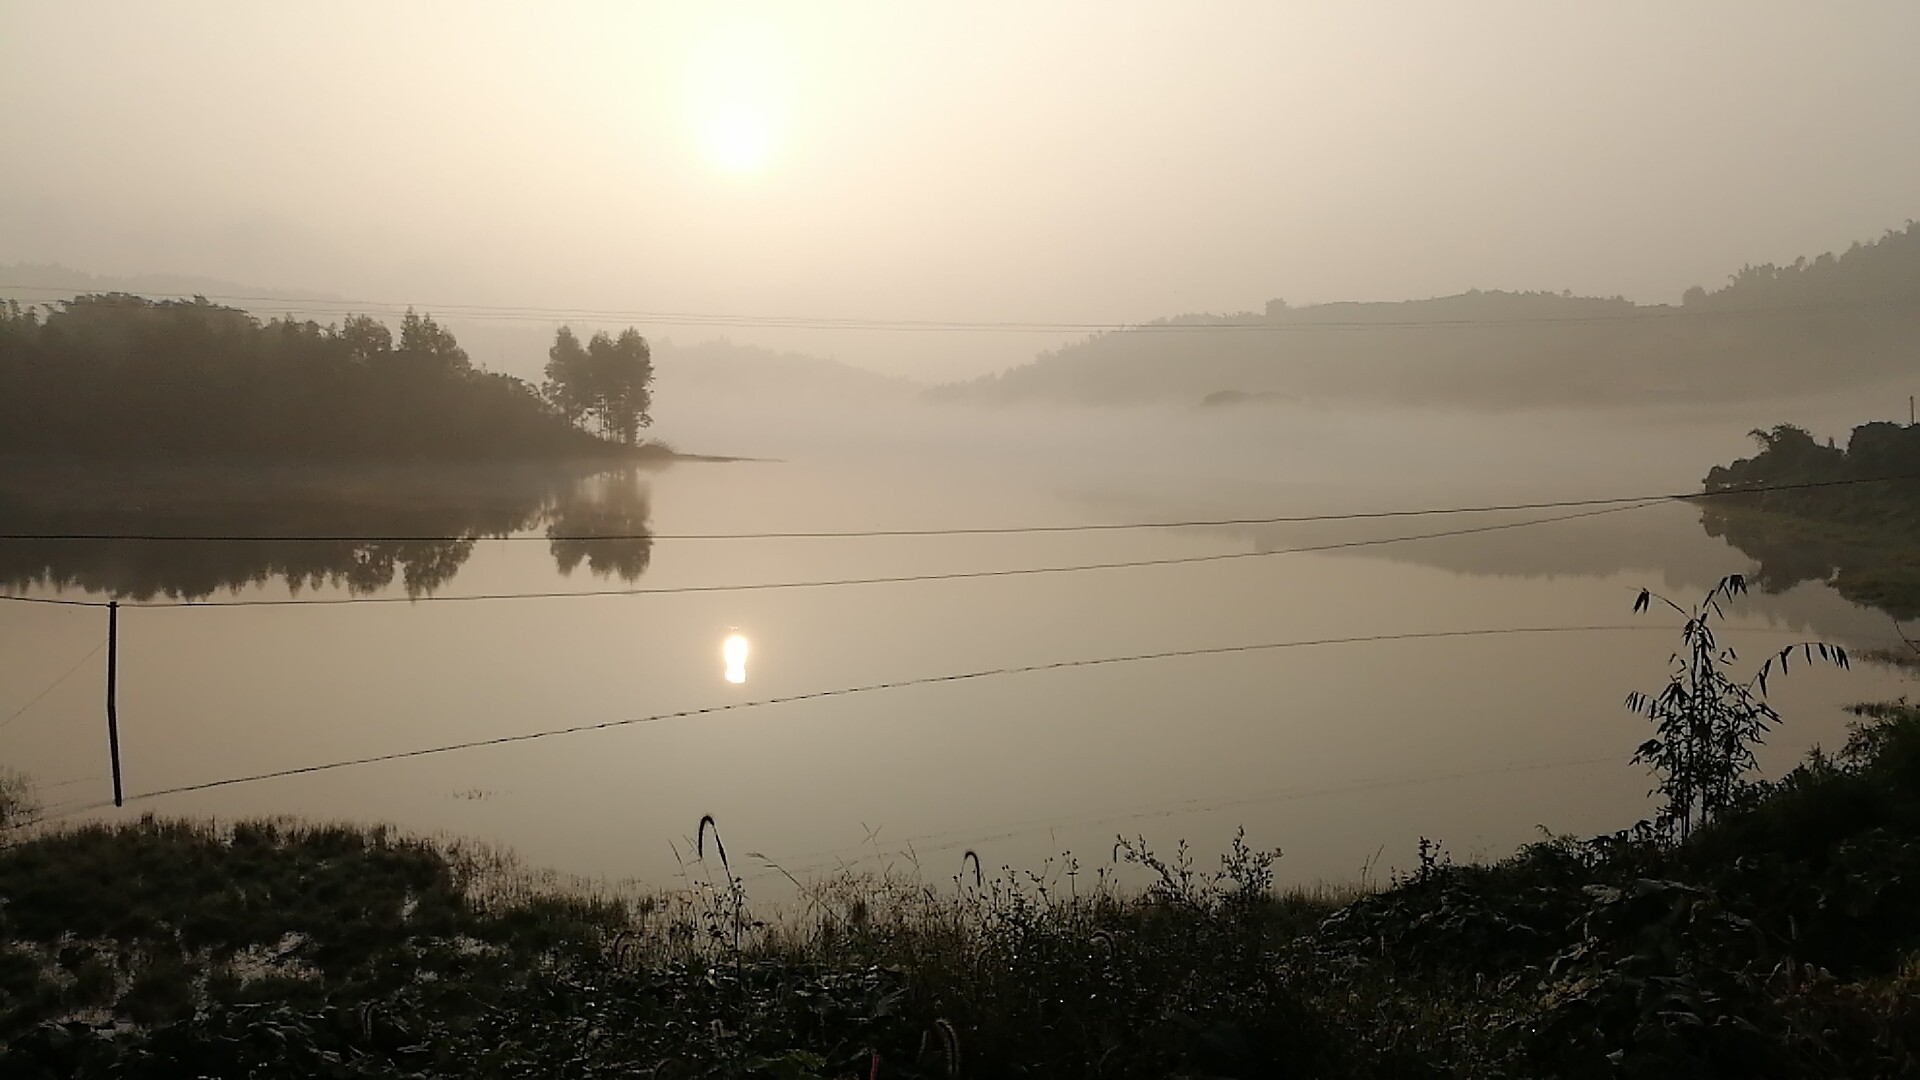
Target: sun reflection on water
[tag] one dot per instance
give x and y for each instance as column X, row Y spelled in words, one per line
column 734, row 651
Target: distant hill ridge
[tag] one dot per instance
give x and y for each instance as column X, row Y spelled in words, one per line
column 28, row 281
column 1771, row 330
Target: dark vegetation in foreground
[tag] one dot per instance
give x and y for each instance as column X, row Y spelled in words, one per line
column 121, row 376
column 1780, row 940
column 1856, row 537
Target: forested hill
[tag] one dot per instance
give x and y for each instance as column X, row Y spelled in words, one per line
column 116, row 375
column 1770, row 331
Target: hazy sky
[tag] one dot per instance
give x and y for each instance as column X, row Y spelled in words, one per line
column 1052, row 162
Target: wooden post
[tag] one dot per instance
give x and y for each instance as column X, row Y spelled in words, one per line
column 113, row 671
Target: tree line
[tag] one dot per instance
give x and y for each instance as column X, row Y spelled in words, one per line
column 1886, row 269
column 1884, row 457
column 1790, row 454
column 114, row 374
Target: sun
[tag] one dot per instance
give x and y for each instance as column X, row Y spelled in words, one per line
column 739, row 137
column 739, row 90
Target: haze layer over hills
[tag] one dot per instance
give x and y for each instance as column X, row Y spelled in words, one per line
column 1772, row 330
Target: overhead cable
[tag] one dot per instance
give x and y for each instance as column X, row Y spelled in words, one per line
column 929, row 680
column 979, row 530
column 956, row 575
column 322, row 306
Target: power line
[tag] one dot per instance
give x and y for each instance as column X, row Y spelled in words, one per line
column 312, row 306
column 51, row 784
column 814, row 695
column 947, row 841
column 35, row 699
column 73, row 810
column 957, row 575
column 816, row 860
column 983, row 530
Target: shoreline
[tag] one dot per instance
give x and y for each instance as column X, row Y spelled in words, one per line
column 1789, row 913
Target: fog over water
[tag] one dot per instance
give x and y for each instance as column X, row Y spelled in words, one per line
column 1335, row 752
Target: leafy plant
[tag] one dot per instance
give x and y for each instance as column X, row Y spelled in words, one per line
column 18, row 806
column 1707, row 724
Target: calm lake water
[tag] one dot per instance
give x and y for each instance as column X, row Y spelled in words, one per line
column 1341, row 754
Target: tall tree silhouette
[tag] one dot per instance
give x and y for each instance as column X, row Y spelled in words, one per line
column 607, row 381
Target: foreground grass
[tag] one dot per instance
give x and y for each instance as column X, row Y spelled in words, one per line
column 1783, row 941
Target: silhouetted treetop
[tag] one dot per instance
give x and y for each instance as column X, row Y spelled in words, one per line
column 608, row 381
column 1885, row 269
column 1790, row 454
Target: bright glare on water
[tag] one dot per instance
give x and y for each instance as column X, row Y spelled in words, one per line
column 734, row 651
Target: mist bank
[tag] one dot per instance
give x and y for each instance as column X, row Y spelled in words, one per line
column 1771, row 331
column 1349, row 452
column 508, row 341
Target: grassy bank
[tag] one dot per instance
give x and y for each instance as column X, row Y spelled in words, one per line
column 1782, row 941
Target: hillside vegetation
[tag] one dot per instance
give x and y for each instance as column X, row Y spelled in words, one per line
column 1770, row 331
column 115, row 375
column 1874, row 480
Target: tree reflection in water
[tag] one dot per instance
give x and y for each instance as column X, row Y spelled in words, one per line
column 609, row 505
column 421, row 524
column 1870, row 569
